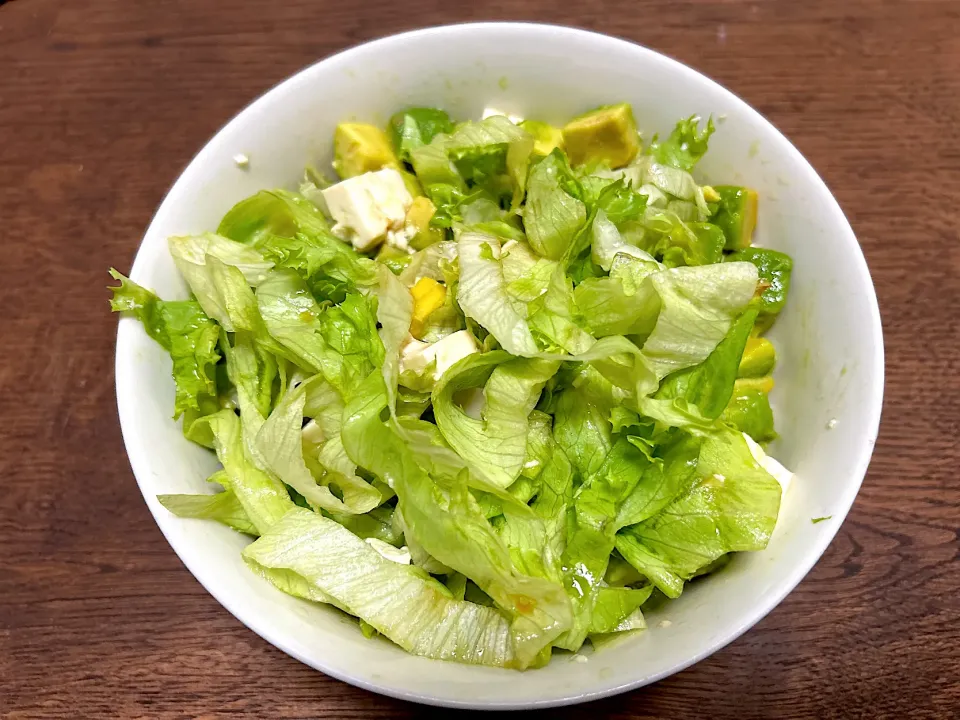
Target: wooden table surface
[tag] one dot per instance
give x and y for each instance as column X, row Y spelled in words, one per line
column 102, row 103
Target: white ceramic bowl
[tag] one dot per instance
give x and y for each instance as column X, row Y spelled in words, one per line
column 829, row 379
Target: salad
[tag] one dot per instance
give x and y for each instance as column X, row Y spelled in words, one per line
column 495, row 390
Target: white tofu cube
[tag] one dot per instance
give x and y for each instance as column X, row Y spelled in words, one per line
column 490, row 112
column 417, row 356
column 312, row 433
column 400, row 239
column 779, row 472
column 365, row 207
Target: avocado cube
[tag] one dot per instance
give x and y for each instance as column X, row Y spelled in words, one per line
column 761, row 384
column 710, row 194
column 411, row 183
column 394, row 258
column 607, row 134
column 419, row 216
column 359, row 148
column 774, row 269
column 749, row 411
column 759, row 357
column 428, row 295
column 736, row 214
column 545, row 137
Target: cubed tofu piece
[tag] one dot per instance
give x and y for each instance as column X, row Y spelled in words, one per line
column 418, row 356
column 312, row 433
column 365, row 207
column 491, row 112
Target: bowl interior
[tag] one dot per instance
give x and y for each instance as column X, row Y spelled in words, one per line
column 828, row 338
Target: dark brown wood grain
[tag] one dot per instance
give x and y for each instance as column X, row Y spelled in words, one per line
column 102, row 102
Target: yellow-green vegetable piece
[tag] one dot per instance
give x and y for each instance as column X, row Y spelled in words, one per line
column 360, row 148
column 737, row 215
column 759, row 357
column 546, row 136
column 607, row 135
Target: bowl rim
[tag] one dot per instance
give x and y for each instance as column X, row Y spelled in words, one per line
column 871, row 414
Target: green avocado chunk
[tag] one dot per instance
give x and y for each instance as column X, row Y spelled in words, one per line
column 774, row 269
column 736, row 214
column 546, row 137
column 360, row 148
column 749, row 411
column 759, row 357
column 607, row 134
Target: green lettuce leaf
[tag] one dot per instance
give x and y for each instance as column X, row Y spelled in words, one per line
column 378, row 523
column 484, row 141
column 183, row 330
column 272, row 213
column 482, row 293
column 675, row 183
column 608, row 243
column 222, row 289
column 592, row 533
column 551, row 216
column 619, row 304
column 280, row 444
column 340, row 341
column 493, row 446
column 732, row 507
column 678, row 240
column 394, row 315
column 536, row 540
column 685, row 145
column 683, row 313
column 620, row 202
column 546, row 295
column 292, row 232
column 264, row 499
column 443, row 516
column 582, row 430
column 191, row 250
column 330, row 267
column 553, row 316
column 415, row 127
column 663, row 480
column 698, row 305
column 617, row 609
column 223, row 507
column 709, row 385
column 400, row 601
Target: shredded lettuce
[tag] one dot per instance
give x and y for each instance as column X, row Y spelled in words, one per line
column 482, row 294
column 328, row 557
column 223, row 507
column 186, row 332
column 685, row 145
column 551, row 215
column 498, row 434
column 493, row 446
column 415, row 127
